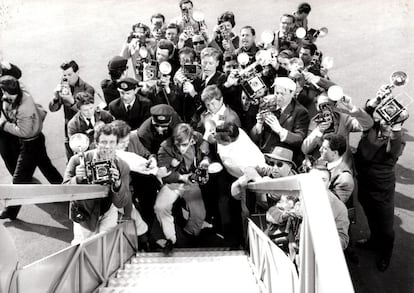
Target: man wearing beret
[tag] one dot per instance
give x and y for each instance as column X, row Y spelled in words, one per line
column 131, row 106
column 286, row 126
column 158, row 127
column 117, row 68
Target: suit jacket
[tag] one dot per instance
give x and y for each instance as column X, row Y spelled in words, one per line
column 295, row 120
column 136, row 116
column 78, row 124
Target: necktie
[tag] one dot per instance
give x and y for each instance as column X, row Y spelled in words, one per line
column 278, row 112
column 90, row 126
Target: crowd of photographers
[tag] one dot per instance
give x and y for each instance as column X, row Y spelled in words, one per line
column 200, row 117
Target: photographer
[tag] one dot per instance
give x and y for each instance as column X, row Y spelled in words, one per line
column 22, row 118
column 285, row 37
column 188, row 25
column 157, row 26
column 93, row 216
column 189, row 70
column 284, row 124
column 330, row 119
column 182, row 154
column 247, row 43
column 65, row 93
column 139, row 47
column 223, row 38
column 88, row 117
column 378, row 152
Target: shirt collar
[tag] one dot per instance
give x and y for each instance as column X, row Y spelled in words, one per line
column 131, row 103
column 334, row 164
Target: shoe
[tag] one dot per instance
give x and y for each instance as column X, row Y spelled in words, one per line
column 383, row 263
column 168, row 248
column 367, row 244
column 6, row 215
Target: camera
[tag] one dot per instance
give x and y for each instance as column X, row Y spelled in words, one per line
column 99, row 172
column 390, row 110
column 251, row 82
column 200, row 176
column 191, row 71
column 324, row 117
column 150, row 70
column 65, row 88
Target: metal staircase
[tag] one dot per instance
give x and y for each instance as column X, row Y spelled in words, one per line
column 185, row 271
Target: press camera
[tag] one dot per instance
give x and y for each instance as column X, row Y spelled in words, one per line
column 99, row 172
column 389, row 108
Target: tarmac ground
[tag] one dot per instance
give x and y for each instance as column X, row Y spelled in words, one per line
column 367, row 39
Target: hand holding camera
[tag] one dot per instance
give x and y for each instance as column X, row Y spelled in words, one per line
column 324, row 126
column 80, row 173
column 272, row 121
column 188, row 88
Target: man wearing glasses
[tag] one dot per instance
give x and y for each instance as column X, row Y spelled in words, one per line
column 64, row 94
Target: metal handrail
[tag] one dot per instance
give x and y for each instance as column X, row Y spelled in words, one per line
column 322, row 266
column 273, row 269
column 84, row 267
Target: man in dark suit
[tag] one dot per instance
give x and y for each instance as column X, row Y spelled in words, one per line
column 131, row 107
column 210, row 59
column 286, row 126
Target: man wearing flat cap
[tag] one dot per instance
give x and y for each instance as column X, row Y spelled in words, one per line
column 285, row 126
column 117, row 68
column 158, row 127
column 131, row 106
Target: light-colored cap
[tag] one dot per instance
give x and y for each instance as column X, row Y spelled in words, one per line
column 285, row 82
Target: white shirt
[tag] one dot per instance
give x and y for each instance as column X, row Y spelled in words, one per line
column 334, row 164
column 240, row 154
column 220, row 113
column 130, row 104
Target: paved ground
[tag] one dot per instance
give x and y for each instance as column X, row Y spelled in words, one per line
column 368, row 40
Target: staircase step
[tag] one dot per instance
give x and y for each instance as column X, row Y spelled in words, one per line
column 193, row 252
column 186, row 271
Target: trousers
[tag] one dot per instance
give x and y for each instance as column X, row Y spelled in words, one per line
column 168, row 194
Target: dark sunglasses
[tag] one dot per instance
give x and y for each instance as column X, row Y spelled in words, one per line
column 198, row 43
column 276, row 163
